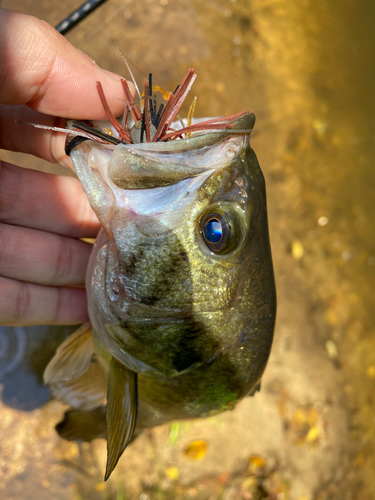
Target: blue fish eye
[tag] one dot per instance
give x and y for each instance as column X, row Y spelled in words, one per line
column 213, row 231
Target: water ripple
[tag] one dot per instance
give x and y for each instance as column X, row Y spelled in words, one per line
column 13, row 344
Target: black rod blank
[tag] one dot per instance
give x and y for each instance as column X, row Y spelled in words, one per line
column 76, row 17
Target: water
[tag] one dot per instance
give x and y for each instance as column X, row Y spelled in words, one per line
column 306, row 70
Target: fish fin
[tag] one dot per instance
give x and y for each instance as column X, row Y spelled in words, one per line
column 85, row 392
column 122, row 410
column 72, row 357
column 79, row 425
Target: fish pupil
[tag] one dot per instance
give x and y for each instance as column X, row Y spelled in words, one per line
column 213, row 231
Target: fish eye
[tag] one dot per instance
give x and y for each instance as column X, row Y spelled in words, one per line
column 214, row 230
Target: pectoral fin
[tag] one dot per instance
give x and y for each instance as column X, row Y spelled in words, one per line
column 85, row 392
column 122, row 410
column 72, row 358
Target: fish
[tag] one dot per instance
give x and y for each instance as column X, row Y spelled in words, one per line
column 180, row 283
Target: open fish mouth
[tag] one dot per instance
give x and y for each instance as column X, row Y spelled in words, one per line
column 168, row 178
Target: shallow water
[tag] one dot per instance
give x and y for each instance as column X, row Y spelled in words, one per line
column 306, row 69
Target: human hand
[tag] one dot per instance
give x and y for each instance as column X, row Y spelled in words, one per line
column 43, row 78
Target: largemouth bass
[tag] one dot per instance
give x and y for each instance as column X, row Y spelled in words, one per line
column 180, row 283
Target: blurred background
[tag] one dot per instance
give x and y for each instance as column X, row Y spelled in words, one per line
column 306, row 69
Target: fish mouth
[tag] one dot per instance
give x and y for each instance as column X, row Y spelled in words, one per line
column 132, row 168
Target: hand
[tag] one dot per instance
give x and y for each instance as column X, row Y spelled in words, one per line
column 43, row 78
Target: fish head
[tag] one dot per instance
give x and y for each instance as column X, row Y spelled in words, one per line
column 182, row 272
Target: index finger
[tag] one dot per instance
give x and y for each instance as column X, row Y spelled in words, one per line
column 43, row 77
column 40, row 68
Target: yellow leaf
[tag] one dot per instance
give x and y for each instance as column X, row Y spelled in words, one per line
column 196, row 450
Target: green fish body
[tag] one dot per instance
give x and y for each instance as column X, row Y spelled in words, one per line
column 180, row 283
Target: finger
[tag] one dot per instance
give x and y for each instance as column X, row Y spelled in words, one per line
column 25, row 304
column 40, row 68
column 44, row 201
column 42, row 258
